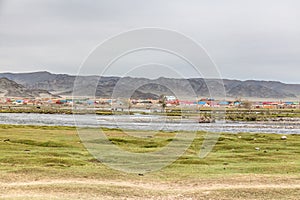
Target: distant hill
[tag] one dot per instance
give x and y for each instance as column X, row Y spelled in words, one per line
column 9, row 88
column 62, row 84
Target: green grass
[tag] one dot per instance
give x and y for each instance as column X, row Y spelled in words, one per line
column 59, row 149
column 37, row 153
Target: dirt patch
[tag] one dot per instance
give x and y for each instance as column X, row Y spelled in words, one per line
column 242, row 187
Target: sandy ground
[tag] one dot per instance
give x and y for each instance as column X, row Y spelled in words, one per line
column 241, row 187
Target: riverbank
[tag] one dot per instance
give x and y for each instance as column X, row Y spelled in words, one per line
column 42, row 162
column 230, row 114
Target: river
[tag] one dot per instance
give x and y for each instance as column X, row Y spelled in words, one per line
column 148, row 122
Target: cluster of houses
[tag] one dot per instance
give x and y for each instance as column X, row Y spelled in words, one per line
column 239, row 104
column 34, row 101
column 51, row 101
column 168, row 101
column 276, row 105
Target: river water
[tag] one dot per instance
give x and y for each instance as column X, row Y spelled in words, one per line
column 148, row 122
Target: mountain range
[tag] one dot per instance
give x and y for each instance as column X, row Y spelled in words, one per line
column 10, row 88
column 38, row 83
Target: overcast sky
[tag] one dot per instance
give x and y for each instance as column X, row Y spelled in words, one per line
column 247, row 39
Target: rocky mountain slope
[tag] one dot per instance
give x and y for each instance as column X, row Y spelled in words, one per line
column 63, row 84
column 9, row 88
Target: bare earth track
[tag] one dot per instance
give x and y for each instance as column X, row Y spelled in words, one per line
column 241, row 187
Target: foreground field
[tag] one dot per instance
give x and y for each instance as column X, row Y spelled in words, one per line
column 51, row 163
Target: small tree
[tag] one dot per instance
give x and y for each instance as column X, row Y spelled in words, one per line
column 129, row 105
column 247, row 105
column 163, row 102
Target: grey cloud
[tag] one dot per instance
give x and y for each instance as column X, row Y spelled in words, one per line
column 247, row 39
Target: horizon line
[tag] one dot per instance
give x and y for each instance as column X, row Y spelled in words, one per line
column 116, row 76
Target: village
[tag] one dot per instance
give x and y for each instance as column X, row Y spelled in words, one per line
column 166, row 101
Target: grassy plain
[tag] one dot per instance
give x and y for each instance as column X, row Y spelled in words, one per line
column 39, row 162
